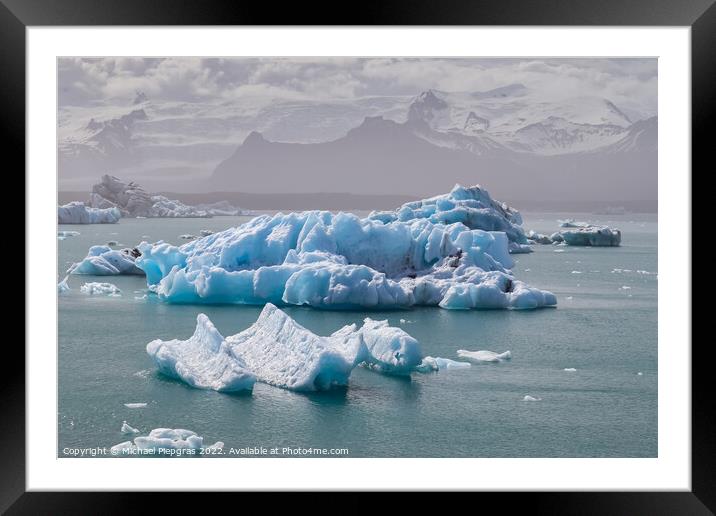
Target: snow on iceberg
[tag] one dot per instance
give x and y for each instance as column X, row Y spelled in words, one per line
column 203, row 361
column 77, row 213
column 163, row 441
column 339, row 261
column 430, row 364
column 470, row 206
column 102, row 260
column 484, row 356
column 100, row 289
column 602, row 236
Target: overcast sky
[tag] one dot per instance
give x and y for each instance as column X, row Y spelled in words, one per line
column 627, row 82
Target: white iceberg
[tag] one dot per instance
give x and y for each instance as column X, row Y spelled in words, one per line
column 100, row 289
column 484, row 356
column 61, row 235
column 102, row 260
column 203, row 361
column 390, row 350
column 327, row 260
column 63, row 287
column 77, row 213
column 278, row 351
column 127, row 429
column 531, row 398
column 429, row 364
column 163, row 440
column 283, row 353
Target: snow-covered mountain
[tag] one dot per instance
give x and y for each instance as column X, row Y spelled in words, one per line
column 189, row 142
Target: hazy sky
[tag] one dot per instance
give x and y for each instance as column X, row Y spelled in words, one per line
column 629, row 82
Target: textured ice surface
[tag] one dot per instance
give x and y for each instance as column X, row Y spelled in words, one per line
column 100, row 289
column 429, row 364
column 203, row 361
column 127, row 429
column 484, row 356
column 341, row 261
column 102, row 260
column 77, row 213
column 470, row 206
column 390, row 350
column 281, row 352
column 131, row 200
column 163, row 439
column 278, row 351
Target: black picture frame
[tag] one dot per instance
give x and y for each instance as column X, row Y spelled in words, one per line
column 700, row 15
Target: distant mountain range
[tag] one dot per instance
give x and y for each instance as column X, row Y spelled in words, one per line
column 516, row 145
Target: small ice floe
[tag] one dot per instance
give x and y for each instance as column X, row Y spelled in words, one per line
column 112, row 243
column 559, row 250
column 625, row 287
column 531, row 398
column 569, row 298
column 140, row 298
column 206, row 232
column 570, row 369
column 100, row 289
column 528, row 270
column 484, row 356
column 640, row 373
column 165, row 441
column 146, row 237
column 646, row 273
column 144, row 373
column 405, row 321
column 61, row 235
column 63, row 286
column 127, row 430
column 576, row 272
column 135, row 405
column 430, row 364
column 187, row 237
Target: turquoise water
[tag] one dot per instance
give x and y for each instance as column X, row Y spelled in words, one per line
column 603, row 409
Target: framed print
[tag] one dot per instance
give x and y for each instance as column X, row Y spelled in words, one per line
column 410, row 251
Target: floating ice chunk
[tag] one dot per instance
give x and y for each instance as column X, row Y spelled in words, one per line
column 77, row 213
column 640, row 373
column 127, row 430
column 206, row 232
column 100, row 289
column 112, row 243
column 283, row 353
column 625, row 287
column 593, row 236
column 63, row 287
column 531, row 398
column 203, row 361
column 135, row 405
column 429, row 364
column 163, row 441
column 187, row 237
column 570, row 369
column 570, row 298
column 576, row 272
column 539, row 238
column 101, row 260
column 390, row 350
column 484, row 356
column 61, row 235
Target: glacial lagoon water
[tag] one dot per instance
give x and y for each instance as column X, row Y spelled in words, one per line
column 605, row 327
